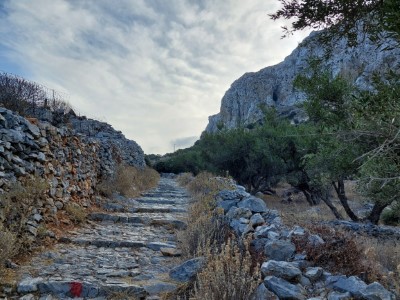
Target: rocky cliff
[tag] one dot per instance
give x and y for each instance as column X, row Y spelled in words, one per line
column 273, row 86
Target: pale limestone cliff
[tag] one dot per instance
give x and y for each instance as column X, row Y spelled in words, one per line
column 273, row 86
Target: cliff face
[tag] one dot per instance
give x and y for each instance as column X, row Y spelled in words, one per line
column 273, row 86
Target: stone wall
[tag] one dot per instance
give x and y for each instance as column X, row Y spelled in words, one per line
column 70, row 159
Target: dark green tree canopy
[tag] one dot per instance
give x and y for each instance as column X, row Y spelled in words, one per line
column 379, row 19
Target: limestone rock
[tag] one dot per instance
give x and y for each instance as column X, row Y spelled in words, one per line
column 243, row 102
column 187, row 270
column 284, row 289
column 279, row 250
column 281, row 269
column 256, row 205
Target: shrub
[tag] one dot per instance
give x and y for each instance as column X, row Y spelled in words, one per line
column 129, row 181
column 76, row 212
column 228, row 275
column 341, row 252
column 391, row 216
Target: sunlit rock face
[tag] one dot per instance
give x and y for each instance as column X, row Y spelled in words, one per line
column 243, row 102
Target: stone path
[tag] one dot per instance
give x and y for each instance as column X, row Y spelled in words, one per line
column 126, row 251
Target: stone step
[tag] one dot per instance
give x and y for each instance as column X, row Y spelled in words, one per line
column 70, row 289
column 140, row 218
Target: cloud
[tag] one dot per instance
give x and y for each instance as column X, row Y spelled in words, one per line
column 154, row 69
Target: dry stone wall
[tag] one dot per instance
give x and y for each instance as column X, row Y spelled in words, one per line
column 68, row 158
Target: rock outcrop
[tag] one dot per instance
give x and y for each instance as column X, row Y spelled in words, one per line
column 242, row 104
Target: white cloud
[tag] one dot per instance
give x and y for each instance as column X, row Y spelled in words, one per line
column 154, row 69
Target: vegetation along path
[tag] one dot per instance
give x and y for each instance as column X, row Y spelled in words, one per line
column 127, row 250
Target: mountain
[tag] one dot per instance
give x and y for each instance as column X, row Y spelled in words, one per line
column 243, row 102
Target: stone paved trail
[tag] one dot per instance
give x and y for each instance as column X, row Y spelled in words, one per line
column 124, row 251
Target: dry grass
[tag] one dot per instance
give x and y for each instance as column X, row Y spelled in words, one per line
column 76, row 213
column 299, row 212
column 228, row 275
column 129, row 181
column 8, row 248
column 385, row 255
column 207, row 227
column 184, row 178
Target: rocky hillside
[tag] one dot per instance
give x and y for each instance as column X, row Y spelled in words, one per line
column 273, row 86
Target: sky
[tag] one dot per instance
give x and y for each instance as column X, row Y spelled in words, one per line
column 153, row 69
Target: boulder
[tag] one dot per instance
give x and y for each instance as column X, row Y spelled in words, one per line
column 279, row 250
column 375, row 291
column 281, row 269
column 283, row 289
column 256, row 205
column 262, row 293
column 187, row 270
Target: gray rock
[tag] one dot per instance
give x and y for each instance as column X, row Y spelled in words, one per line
column 375, row 291
column 283, row 289
column 353, row 285
column 281, row 269
column 256, row 220
column 156, row 246
column 315, row 240
column 28, row 297
column 187, row 270
column 279, row 250
column 314, row 273
column 339, row 296
column 60, row 288
column 235, row 195
column 29, row 285
column 238, row 227
column 155, row 288
column 256, row 205
column 226, row 204
column 237, row 213
column 297, row 231
column 262, row 231
column 262, row 293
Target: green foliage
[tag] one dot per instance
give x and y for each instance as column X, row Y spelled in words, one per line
column 377, row 18
column 392, row 215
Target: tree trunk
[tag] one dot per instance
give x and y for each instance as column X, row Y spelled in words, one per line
column 339, row 188
column 376, row 212
column 332, row 207
column 310, row 197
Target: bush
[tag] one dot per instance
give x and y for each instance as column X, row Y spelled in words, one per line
column 341, row 252
column 129, row 181
column 391, row 216
column 228, row 275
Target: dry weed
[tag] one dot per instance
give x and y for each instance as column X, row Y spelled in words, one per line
column 8, row 247
column 129, row 181
column 228, row 275
column 184, row 178
column 76, row 212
